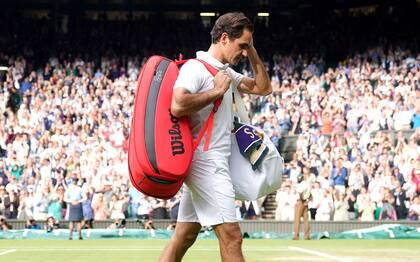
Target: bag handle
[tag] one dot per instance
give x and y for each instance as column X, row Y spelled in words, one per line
column 238, row 107
column 208, row 125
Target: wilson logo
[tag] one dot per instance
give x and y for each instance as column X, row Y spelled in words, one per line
column 176, row 136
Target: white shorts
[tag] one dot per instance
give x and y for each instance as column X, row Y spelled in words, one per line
column 208, row 197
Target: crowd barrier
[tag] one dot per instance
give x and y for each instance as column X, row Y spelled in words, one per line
column 384, row 231
column 250, row 228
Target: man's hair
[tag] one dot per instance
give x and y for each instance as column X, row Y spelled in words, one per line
column 231, row 23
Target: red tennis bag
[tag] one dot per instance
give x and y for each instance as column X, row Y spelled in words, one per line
column 160, row 146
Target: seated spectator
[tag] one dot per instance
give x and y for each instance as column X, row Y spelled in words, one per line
column 51, row 224
column 4, row 226
column 116, row 207
column 118, row 224
column 31, row 224
column 149, row 225
column 146, row 224
column 414, row 210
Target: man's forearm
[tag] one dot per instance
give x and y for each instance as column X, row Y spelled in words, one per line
column 192, row 103
column 262, row 79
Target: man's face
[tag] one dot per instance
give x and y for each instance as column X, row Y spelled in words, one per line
column 236, row 49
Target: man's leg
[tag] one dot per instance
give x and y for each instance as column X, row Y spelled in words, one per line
column 183, row 238
column 230, row 241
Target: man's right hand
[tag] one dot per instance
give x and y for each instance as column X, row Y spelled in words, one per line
column 221, row 82
column 184, row 103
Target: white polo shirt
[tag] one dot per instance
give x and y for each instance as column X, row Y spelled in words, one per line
column 194, row 77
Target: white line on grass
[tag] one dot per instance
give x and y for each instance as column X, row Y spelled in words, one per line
column 7, row 252
column 317, row 253
column 29, row 249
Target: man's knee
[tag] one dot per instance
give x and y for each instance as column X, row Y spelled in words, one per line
column 229, row 234
column 186, row 239
column 186, row 236
column 236, row 241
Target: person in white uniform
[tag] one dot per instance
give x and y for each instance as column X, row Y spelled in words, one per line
column 208, row 198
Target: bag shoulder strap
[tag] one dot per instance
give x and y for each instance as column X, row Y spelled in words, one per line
column 208, row 125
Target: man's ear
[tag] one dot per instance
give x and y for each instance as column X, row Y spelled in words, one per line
column 224, row 38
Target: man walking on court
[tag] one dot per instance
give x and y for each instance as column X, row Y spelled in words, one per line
column 209, row 198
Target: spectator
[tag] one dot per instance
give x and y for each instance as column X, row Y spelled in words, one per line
column 287, row 209
column 51, row 224
column 325, row 207
column 135, row 197
column 145, row 208
column 14, row 202
column 4, row 225
column 416, row 118
column 367, row 209
column 339, row 176
column 387, row 211
column 399, row 204
column 341, row 207
column 173, row 207
column 4, row 202
column 74, row 198
column 414, row 210
column 31, row 224
column 100, row 207
column 351, row 202
column 314, row 203
column 118, row 224
column 240, row 210
column 41, row 203
column 87, row 209
column 56, row 202
column 116, row 207
column 159, row 208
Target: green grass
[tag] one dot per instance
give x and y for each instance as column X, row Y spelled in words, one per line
column 207, row 250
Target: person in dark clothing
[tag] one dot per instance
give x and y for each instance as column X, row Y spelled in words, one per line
column 4, row 202
column 159, row 209
column 351, row 201
column 399, row 203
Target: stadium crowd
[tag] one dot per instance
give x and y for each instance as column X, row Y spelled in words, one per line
column 66, row 116
column 342, row 119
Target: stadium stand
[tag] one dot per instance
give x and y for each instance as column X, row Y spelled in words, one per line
column 346, row 104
